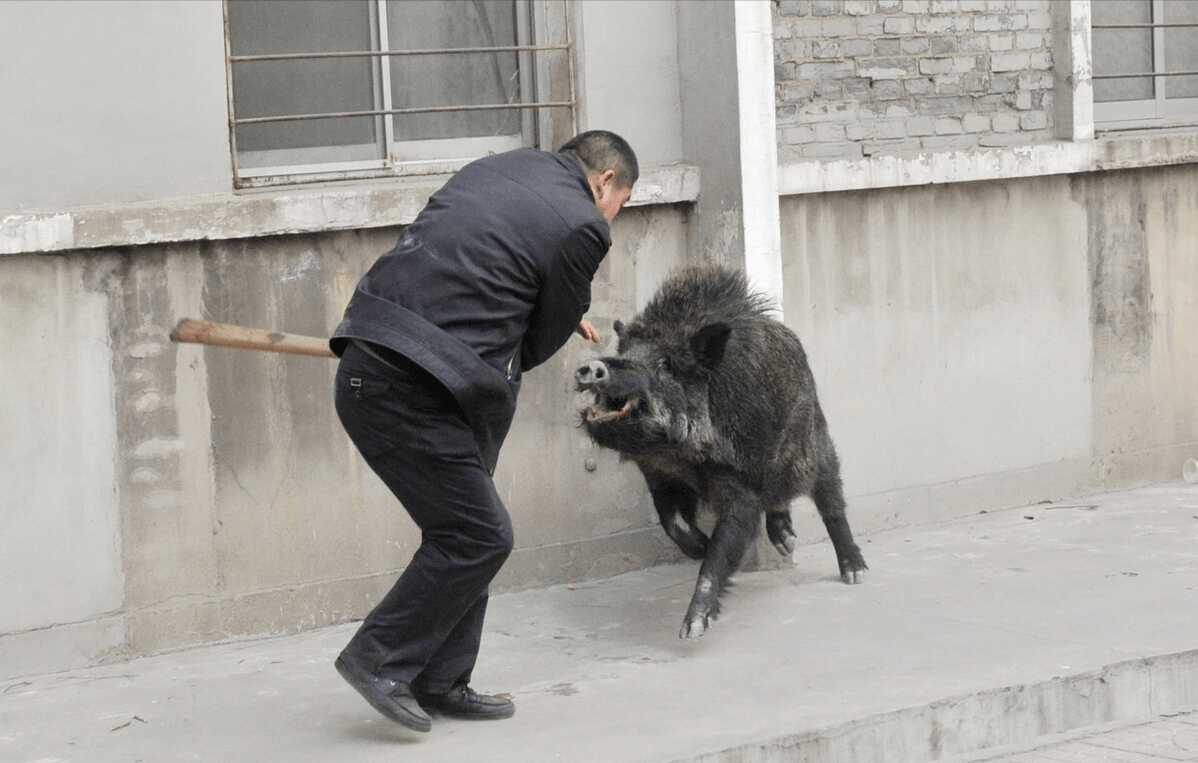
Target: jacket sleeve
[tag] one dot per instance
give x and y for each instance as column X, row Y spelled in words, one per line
column 565, row 295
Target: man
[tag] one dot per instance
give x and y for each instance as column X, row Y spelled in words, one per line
column 489, row 281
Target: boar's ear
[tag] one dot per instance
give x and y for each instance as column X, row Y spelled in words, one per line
column 619, row 327
column 708, row 344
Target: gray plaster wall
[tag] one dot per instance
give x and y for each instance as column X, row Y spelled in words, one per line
column 162, row 494
column 988, row 344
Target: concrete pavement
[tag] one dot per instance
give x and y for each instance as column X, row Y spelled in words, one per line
column 971, row 639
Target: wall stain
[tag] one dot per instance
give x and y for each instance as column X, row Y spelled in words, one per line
column 1121, row 286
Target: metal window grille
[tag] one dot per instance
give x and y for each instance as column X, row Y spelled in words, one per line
column 1145, row 62
column 542, row 101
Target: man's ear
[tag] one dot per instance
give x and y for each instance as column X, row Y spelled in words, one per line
column 603, row 182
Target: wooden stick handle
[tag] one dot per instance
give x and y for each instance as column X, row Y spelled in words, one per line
column 242, row 338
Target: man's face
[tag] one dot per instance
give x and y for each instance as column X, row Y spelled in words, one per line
column 609, row 197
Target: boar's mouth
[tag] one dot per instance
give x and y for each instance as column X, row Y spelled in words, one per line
column 607, row 409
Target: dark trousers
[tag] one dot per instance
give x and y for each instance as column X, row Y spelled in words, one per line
column 411, row 432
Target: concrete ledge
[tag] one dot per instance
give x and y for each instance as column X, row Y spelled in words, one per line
column 367, row 204
column 61, row 647
column 1110, row 151
column 962, row 726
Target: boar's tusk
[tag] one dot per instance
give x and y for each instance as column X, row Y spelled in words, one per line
column 597, row 415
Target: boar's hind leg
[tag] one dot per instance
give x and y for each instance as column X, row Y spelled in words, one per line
column 780, row 531
column 735, row 530
column 828, row 495
column 676, row 503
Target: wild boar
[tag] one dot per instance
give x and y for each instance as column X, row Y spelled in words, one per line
column 714, row 401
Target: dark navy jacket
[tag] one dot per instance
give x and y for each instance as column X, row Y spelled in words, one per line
column 489, row 281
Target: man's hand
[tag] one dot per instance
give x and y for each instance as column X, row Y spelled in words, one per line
column 588, row 331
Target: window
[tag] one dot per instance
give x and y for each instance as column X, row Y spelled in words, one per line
column 332, row 89
column 1145, row 63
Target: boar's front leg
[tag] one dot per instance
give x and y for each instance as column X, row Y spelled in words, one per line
column 735, row 530
column 677, row 503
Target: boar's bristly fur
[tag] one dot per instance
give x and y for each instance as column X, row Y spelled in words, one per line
column 714, row 401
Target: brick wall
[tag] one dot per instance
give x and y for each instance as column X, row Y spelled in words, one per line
column 866, row 77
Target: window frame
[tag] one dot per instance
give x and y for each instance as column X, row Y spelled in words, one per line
column 548, row 107
column 1160, row 110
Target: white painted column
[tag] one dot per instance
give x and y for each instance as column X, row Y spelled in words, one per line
column 1073, row 88
column 758, row 146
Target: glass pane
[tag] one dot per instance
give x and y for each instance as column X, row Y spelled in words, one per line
column 1117, row 51
column 1181, row 49
column 313, row 86
column 453, row 79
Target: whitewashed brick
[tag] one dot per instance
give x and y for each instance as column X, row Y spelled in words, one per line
column 1031, row 40
column 841, row 26
column 888, row 47
column 1004, row 122
column 831, row 150
column 1039, row 19
column 829, row 70
column 827, row 112
column 826, row 7
column 797, row 135
column 871, row 25
column 1033, row 120
column 1001, row 42
column 856, row 48
column 1009, row 62
column 826, row 133
column 974, row 123
column 949, row 126
column 887, row 68
column 918, row 86
column 824, row 49
column 885, row 147
column 1000, row 21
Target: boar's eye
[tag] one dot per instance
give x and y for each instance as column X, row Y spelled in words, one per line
column 664, row 365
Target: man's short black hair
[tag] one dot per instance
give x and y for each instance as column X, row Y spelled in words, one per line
column 599, row 151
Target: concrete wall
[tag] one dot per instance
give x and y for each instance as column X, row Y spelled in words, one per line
column 948, row 327
column 117, row 102
column 1142, row 242
column 981, row 345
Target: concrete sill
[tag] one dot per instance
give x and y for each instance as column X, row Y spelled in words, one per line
column 250, row 214
column 1109, row 151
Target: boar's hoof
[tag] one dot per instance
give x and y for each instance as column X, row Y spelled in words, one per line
column 853, row 575
column 786, row 545
column 852, row 566
column 781, row 533
column 693, row 626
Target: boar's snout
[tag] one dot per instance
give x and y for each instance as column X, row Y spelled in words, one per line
column 593, row 373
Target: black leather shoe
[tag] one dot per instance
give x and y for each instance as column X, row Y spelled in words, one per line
column 393, row 699
column 466, row 704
